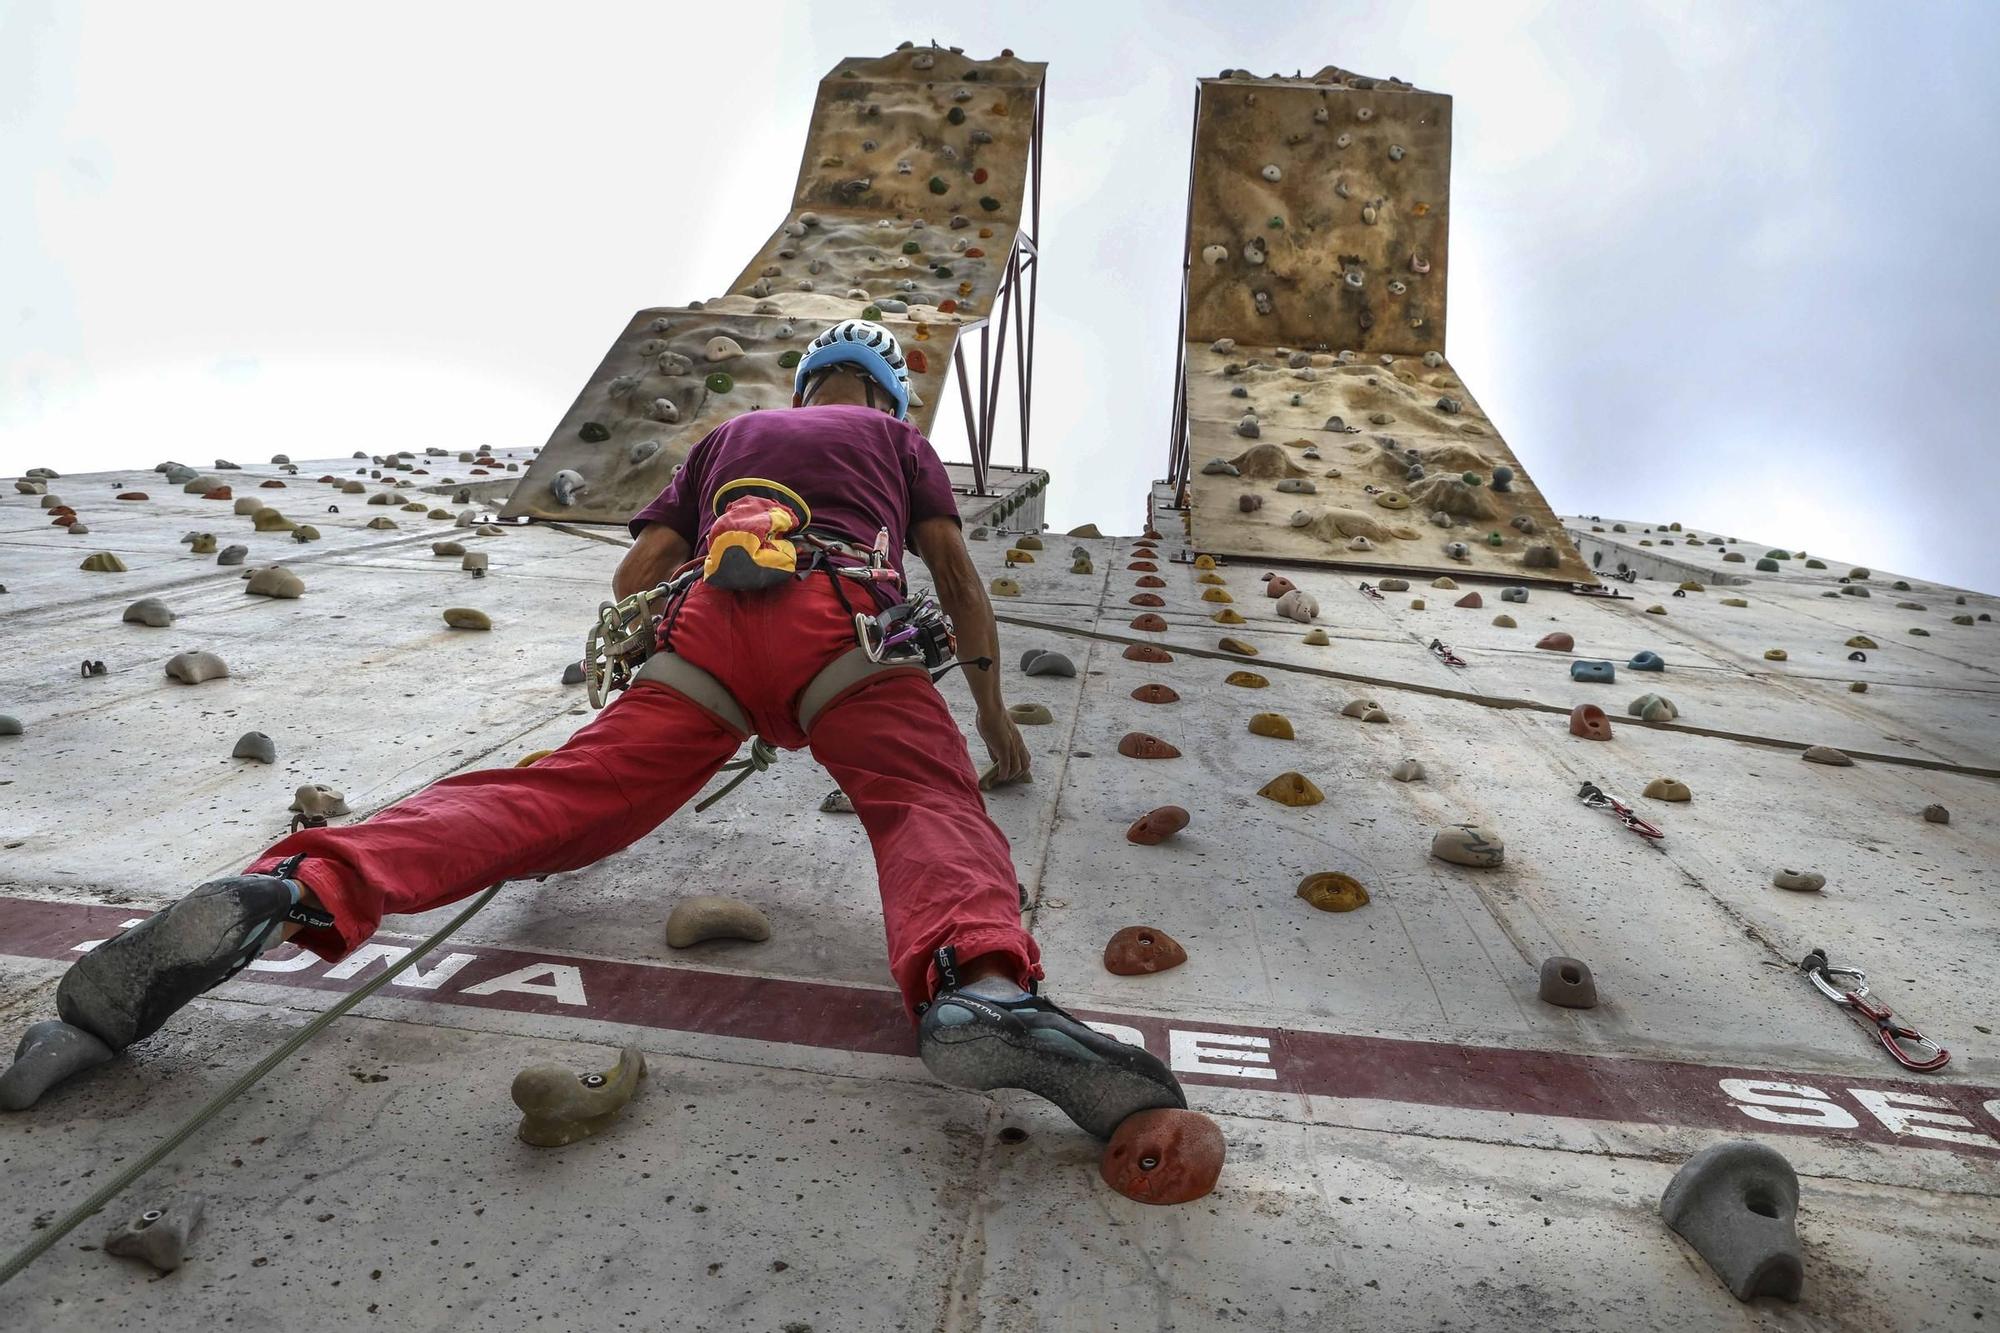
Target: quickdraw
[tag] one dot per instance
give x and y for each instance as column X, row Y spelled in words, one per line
column 1442, row 651
column 1596, row 798
column 1595, row 590
column 1368, row 591
column 1895, row 1037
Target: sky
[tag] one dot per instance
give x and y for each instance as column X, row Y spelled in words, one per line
column 1726, row 264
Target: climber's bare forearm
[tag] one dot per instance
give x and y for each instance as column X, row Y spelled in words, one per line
column 651, row 561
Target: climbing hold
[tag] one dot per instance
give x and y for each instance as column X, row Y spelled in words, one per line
column 149, row 611
column 1503, row 481
column 1392, row 500
column 1589, row 722
column 707, row 917
column 1151, row 621
column 1216, row 595
column 1504, row 622
column 306, row 532
column 1315, row 638
column 194, row 668
column 465, row 617
column 158, row 1235
column 1297, row 486
column 1471, row 601
column 1692, row 586
column 1156, row 694
column 1567, row 982
column 1017, row 556
column 1139, row 745
column 1028, row 541
column 476, row 561
column 447, row 548
column 381, row 523
column 1204, row 562
column 50, row 1051
column 1360, row 708
column 1854, row 590
column 1858, row 687
column 836, row 802
column 1274, row 725
column 1081, row 565
column 1469, row 845
column 1393, row 585
column 1799, row 881
column 1146, row 652
column 1737, row 1203
column 234, row 555
column 270, row 520
column 1646, row 661
column 1331, row 891
column 1653, row 708
column 1138, row 951
column 1767, row 566
column 1298, row 605
column 1826, row 754
column 1599, row 672
column 721, row 348
column 248, row 504
column 560, row 1107
column 1041, row 662
column 1408, row 771
column 1733, row 601
column 1775, row 655
column 1291, row 788
column 275, row 581
column 1513, row 594
column 573, row 674
column 1006, row 588
column 1164, row 1156
column 1156, row 826
column 1445, row 582
column 1236, row 646
column 1668, row 789
column 102, row 562
column 1936, row 814
column 255, row 745
column 1249, row 504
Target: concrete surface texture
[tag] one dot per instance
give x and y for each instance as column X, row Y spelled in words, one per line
column 1415, row 1139
column 911, row 196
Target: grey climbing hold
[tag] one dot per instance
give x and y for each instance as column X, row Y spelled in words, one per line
column 447, row 548
column 836, row 802
column 560, row 1106
column 232, row 555
column 149, row 611
column 1737, row 1203
column 1298, row 605
column 567, row 486
column 476, row 561
column 1408, row 771
column 708, row 917
column 1041, row 662
column 1249, row 430
column 194, row 668
column 1567, row 982
column 255, row 745
column 1799, row 881
column 318, row 800
column 573, row 674
column 1469, row 845
column 1297, row 486
column 277, row 581
column 9, row 725
column 158, row 1235
column 1936, row 814
column 50, row 1051
column 1826, row 754
column 1513, row 594
column 1540, row 557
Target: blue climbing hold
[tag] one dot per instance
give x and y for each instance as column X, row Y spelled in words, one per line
column 1647, row 661
column 1602, row 672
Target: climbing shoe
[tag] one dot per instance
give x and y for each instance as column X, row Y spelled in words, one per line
column 972, row 1040
column 126, row 987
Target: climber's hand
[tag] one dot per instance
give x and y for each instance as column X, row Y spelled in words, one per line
column 1004, row 745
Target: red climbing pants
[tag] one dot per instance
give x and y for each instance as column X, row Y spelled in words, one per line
column 945, row 871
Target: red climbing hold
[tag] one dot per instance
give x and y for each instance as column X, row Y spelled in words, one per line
column 1150, row 622
column 1277, row 585
column 979, row 176
column 133, row 495
column 1156, row 694
column 1156, row 826
column 1557, row 642
column 219, row 493
column 1589, row 722
column 1138, row 951
column 1143, row 567
column 1149, row 581
column 1472, row 601
column 1163, row 1156
column 1146, row 652
column 915, row 359
column 947, row 306
column 1146, row 599
column 975, row 253
column 1138, row 745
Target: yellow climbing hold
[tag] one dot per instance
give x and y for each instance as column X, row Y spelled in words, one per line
column 103, row 563
column 1213, row 580
column 1017, row 556
column 1292, row 789
column 1734, row 601
column 1692, row 586
column 1862, row 641
column 1274, row 725
column 1248, row 680
column 1444, row 581
column 1216, row 595
column 1316, row 638
column 1331, row 891
column 1656, row 610
column 1228, row 615
column 1392, row 500
column 1774, row 654
column 1503, row 622
column 1004, row 588
column 1229, row 645
column 1204, row 562
column 1416, row 603
column 1028, row 542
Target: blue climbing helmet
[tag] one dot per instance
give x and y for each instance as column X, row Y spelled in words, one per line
column 867, row 345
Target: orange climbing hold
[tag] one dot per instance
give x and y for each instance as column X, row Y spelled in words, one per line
column 1558, row 642
column 1293, row 789
column 1471, row 601
column 1248, row 680
column 1150, row 622
column 1164, row 1156
column 1138, row 951
column 1143, row 567
column 1146, row 599
column 1139, row 745
column 1278, row 585
column 1146, row 652
column 1149, row 581
column 1156, row 826
column 1589, row 722
column 1156, row 694
column 916, row 360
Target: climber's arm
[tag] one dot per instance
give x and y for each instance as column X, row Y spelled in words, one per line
column 963, row 597
column 654, row 557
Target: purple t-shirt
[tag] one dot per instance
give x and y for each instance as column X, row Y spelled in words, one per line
column 861, row 470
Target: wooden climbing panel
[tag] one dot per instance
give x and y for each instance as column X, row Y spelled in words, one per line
column 1323, row 422
column 909, row 201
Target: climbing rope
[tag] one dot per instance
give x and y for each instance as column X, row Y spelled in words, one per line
column 117, row 1184
column 762, row 755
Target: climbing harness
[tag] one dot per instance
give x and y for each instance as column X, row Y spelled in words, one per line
column 1896, row 1038
column 1596, row 798
column 110, row 1190
column 1442, row 651
column 1368, row 591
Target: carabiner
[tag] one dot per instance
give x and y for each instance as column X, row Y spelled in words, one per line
column 1895, row 1037
column 1368, row 591
column 1596, row 798
column 1442, row 651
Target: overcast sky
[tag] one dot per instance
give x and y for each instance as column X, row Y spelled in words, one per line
column 1728, row 264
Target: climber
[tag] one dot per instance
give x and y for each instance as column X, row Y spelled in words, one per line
column 844, row 468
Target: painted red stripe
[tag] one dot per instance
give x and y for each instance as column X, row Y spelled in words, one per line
column 821, row 1014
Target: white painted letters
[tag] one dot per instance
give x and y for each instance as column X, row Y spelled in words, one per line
column 1804, row 1105
column 1205, row 1052
column 564, row 983
column 1901, row 1113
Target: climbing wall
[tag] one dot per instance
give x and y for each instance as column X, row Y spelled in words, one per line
column 910, row 199
column 1323, row 421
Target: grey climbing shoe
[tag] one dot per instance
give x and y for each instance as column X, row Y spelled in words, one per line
column 126, row 987
column 49, row 1052
column 971, row 1040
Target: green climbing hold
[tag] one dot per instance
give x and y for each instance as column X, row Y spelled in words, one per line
column 940, row 270
column 871, row 312
column 720, row 382
column 1493, row 539
column 788, row 359
column 938, row 186
column 1276, row 223
column 1470, row 478
column 911, row 247
column 1767, row 566
column 1815, row 564
column 956, row 115
column 1777, row 555
column 989, row 203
